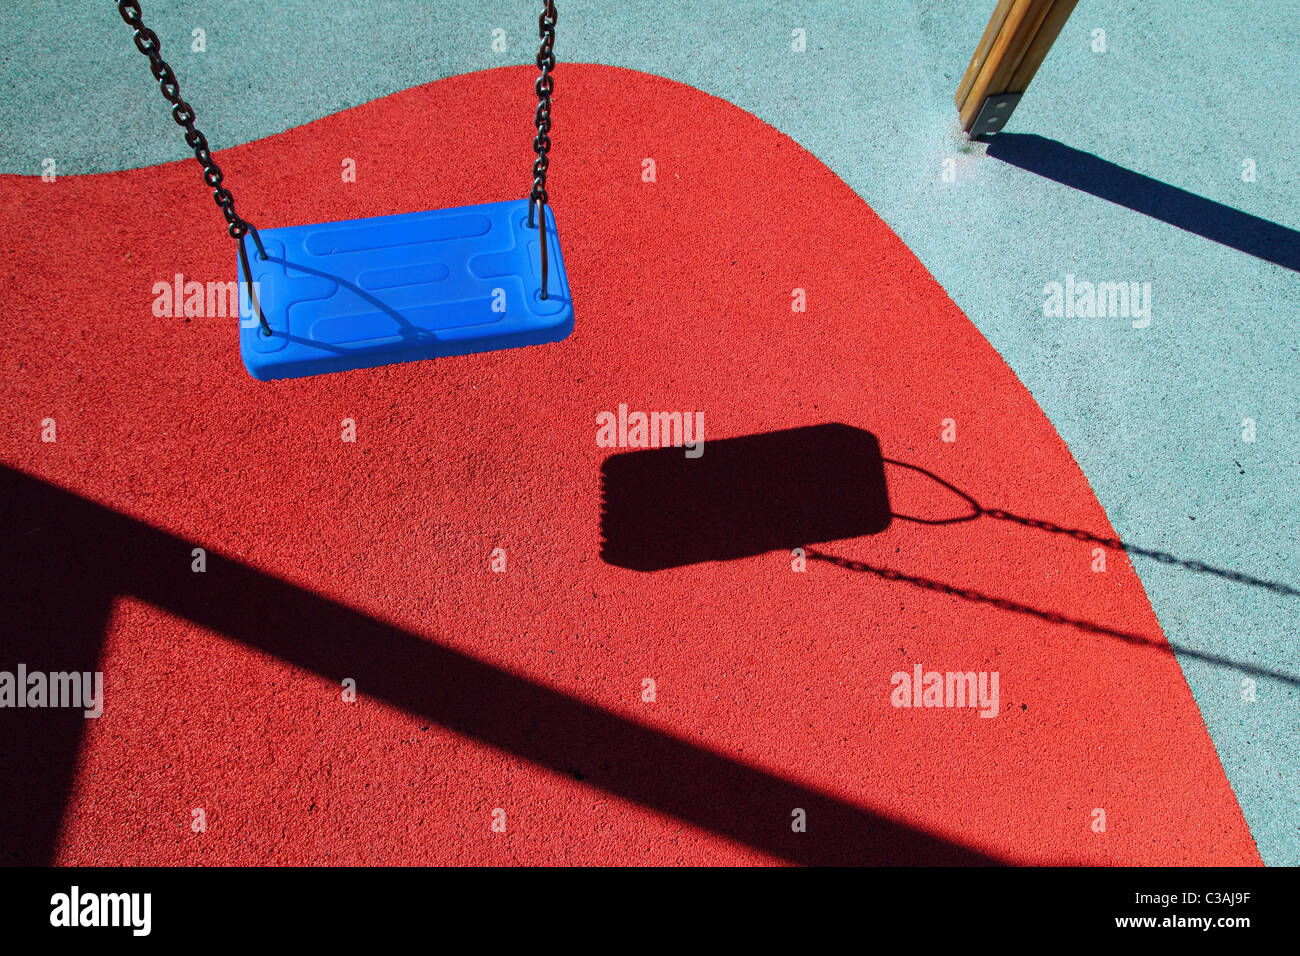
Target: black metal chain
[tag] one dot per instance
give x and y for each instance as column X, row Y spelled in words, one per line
column 147, row 42
column 545, row 86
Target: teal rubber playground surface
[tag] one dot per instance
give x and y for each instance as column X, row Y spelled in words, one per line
column 1123, row 164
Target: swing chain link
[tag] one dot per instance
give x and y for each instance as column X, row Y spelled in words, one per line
column 545, row 86
column 147, row 42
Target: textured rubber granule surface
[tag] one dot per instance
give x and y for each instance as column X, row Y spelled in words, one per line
column 371, row 559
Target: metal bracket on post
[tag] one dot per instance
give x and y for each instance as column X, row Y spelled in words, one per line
column 1014, row 44
column 993, row 115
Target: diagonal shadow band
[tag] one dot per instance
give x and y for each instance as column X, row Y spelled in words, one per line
column 66, row 558
column 1204, row 217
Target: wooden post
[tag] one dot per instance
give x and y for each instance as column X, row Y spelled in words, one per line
column 1013, row 46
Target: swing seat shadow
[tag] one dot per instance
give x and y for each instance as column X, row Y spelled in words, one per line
column 806, row 486
column 742, row 497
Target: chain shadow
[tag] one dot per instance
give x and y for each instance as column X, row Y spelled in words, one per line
column 1078, row 534
column 1052, row 617
column 810, row 485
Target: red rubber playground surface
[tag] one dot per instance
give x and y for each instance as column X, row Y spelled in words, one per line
column 522, row 691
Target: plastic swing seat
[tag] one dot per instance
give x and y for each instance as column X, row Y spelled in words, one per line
column 368, row 292
column 420, row 285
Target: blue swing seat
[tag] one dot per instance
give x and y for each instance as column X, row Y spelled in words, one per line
column 420, row 285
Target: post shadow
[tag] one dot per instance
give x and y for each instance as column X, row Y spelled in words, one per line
column 66, row 558
column 1204, row 217
column 56, row 608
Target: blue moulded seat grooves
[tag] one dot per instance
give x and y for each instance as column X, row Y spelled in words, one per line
column 420, row 285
